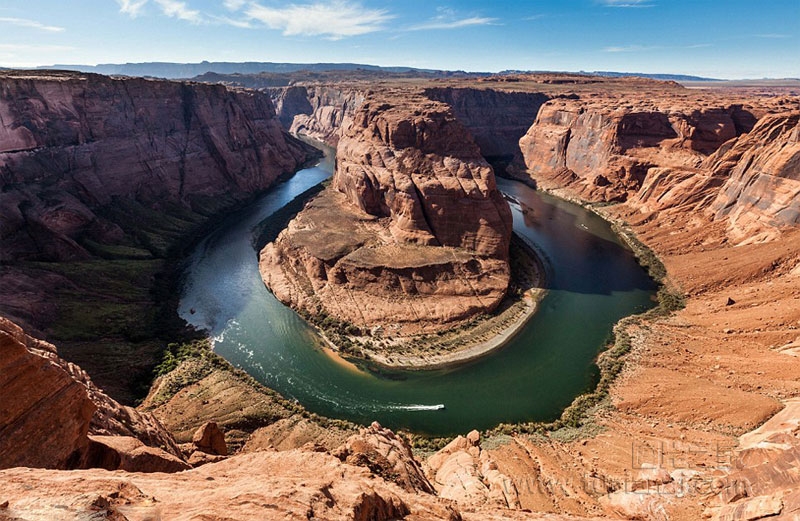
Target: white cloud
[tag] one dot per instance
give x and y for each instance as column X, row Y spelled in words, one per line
column 334, row 20
column 438, row 23
column 180, row 10
column 33, row 24
column 242, row 24
column 448, row 19
column 131, row 7
column 234, row 5
column 627, row 3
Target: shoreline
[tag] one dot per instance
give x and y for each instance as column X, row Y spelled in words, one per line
column 470, row 350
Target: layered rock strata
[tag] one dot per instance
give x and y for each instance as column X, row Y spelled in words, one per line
column 45, row 413
column 124, row 170
column 603, row 148
column 764, row 481
column 497, row 119
column 72, row 143
column 762, row 169
column 412, row 234
column 751, row 183
column 317, row 111
column 53, row 416
column 722, row 217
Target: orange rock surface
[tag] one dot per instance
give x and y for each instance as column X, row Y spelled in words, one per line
column 413, row 234
column 702, row 422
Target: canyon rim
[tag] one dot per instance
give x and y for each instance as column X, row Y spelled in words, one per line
column 387, row 234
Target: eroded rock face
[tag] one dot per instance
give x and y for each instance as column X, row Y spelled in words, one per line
column 751, row 183
column 44, row 413
column 70, row 144
column 412, row 234
column 50, row 406
column 496, row 119
column 265, row 485
column 762, row 168
column 417, row 164
column 387, row 455
column 603, row 148
column 316, row 111
column 765, row 473
column 463, row 472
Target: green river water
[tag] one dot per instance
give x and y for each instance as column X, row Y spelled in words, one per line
column 593, row 281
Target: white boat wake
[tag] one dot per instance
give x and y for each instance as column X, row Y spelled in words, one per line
column 416, row 407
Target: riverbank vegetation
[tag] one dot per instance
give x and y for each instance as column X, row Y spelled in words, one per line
column 578, row 420
column 119, row 307
column 191, row 375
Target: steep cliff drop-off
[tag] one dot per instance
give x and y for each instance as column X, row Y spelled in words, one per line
column 102, row 180
column 319, row 112
column 709, row 182
column 762, row 190
column 497, row 119
column 72, row 144
column 750, row 184
column 413, row 234
column 52, row 415
column 602, row 148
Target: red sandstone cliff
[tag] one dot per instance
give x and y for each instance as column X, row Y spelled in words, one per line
column 693, row 380
column 413, row 233
column 495, row 118
column 763, row 177
column 603, row 148
column 417, row 164
column 317, row 111
column 53, row 416
column 717, row 201
column 751, row 183
column 71, row 144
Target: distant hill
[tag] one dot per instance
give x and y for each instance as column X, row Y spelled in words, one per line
column 665, row 77
column 190, row 70
column 281, row 79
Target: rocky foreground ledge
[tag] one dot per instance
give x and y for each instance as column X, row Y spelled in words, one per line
column 57, row 414
column 412, row 236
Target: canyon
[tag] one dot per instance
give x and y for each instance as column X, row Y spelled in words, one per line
column 700, row 422
column 103, row 180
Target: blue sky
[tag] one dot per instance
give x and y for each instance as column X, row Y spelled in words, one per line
column 724, row 39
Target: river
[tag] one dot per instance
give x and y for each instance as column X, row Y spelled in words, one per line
column 593, row 281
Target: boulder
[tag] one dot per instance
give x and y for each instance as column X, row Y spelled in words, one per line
column 387, row 455
column 129, row 454
column 209, row 439
column 461, row 471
